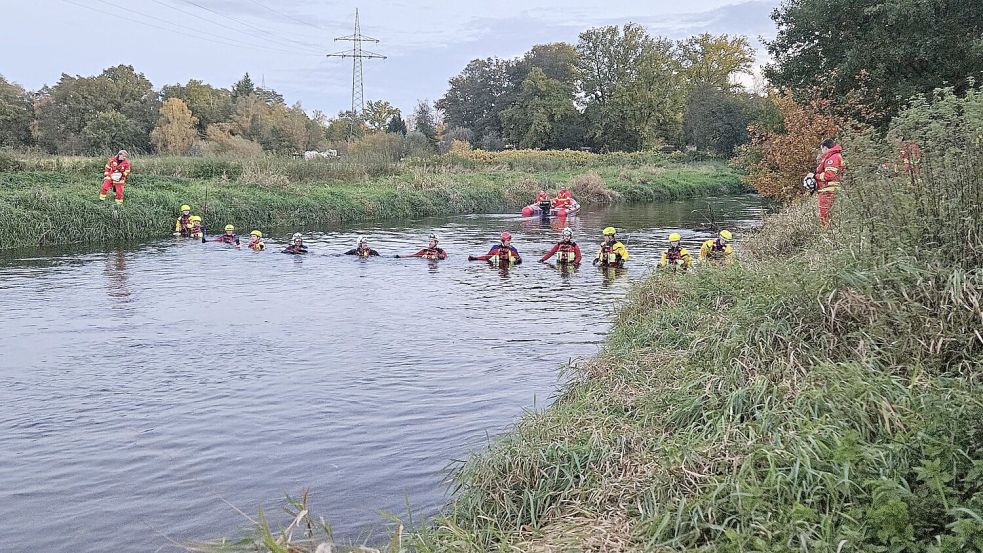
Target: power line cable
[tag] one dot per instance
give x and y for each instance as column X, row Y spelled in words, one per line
column 192, row 33
column 244, row 23
column 279, row 14
column 231, row 28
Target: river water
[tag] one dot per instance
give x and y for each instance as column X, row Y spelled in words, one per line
column 146, row 388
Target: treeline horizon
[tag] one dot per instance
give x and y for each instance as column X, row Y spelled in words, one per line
column 616, row 89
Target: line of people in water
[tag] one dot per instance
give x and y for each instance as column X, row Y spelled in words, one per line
column 611, row 253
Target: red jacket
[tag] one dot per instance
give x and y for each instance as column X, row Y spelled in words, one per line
column 498, row 250
column 563, row 199
column 829, row 172
column 114, row 165
column 436, row 253
column 564, row 246
column 911, row 157
column 542, row 197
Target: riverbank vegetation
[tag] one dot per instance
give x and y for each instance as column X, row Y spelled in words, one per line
column 48, row 200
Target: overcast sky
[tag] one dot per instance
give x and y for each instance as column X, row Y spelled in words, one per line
column 283, row 43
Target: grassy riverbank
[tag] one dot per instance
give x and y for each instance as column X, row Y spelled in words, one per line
column 822, row 395
column 46, row 200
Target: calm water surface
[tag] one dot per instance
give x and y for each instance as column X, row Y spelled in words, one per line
column 143, row 387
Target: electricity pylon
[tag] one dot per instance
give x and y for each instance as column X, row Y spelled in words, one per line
column 357, row 54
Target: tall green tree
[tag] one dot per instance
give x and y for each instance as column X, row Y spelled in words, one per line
column 713, row 60
column 632, row 88
column 878, row 53
column 425, row 120
column 207, row 103
column 557, row 60
column 16, row 113
column 377, row 114
column 243, row 87
column 716, row 120
column 396, row 125
column 476, row 96
column 544, row 115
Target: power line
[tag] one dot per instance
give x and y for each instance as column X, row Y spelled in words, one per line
column 311, row 48
column 192, row 33
column 358, row 84
column 250, row 25
column 280, row 14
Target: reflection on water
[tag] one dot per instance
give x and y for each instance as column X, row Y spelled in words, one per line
column 141, row 386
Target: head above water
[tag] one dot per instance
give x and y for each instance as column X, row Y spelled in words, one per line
column 433, row 241
column 186, row 209
column 229, row 229
column 362, row 242
column 726, row 236
column 256, row 234
column 567, row 233
column 297, row 238
column 506, row 237
column 674, row 239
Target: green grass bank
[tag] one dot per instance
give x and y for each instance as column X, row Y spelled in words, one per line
column 821, row 395
column 47, row 201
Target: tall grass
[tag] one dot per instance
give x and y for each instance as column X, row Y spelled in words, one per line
column 52, row 200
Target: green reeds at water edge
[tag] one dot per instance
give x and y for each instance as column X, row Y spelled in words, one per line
column 59, row 205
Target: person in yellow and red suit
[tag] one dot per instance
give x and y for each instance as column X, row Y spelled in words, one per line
column 503, row 253
column 182, row 227
column 256, row 241
column 430, row 252
column 718, row 249
column 195, row 231
column 563, row 199
column 612, row 252
column 829, row 175
column 566, row 250
column 116, row 171
column 676, row 257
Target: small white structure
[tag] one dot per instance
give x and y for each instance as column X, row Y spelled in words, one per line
column 314, row 154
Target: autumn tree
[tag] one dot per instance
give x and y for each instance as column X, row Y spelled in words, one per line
column 207, row 103
column 176, row 128
column 777, row 160
column 476, row 96
column 714, row 60
column 425, row 120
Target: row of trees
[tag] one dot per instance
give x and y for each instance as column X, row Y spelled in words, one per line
column 618, row 88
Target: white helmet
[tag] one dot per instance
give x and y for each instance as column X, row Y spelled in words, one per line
column 297, row 236
column 359, row 241
column 567, row 231
column 434, row 237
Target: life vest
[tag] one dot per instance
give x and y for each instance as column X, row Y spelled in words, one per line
column 183, row 224
column 500, row 259
column 195, row 231
column 543, row 197
column 432, row 253
column 363, row 252
column 610, row 256
column 228, row 239
column 257, row 246
column 567, row 252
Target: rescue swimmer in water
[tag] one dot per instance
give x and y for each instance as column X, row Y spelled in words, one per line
column 675, row 257
column 566, row 250
column 718, row 250
column 362, row 248
column 296, row 246
column 612, row 252
column 503, row 253
column 432, row 251
column 182, row 227
column 256, row 241
column 230, row 237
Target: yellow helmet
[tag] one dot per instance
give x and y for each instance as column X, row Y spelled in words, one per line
column 229, row 228
column 726, row 235
column 185, row 207
column 675, row 237
column 256, row 233
column 609, row 231
column 195, row 219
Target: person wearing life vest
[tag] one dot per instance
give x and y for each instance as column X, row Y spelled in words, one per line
column 676, row 257
column 115, row 172
column 503, row 253
column 432, row 251
column 182, row 226
column 612, row 252
column 230, row 237
column 910, row 156
column 563, row 199
column 566, row 250
column 362, row 248
column 296, row 246
column 718, row 249
column 828, row 175
column 256, row 241
column 195, row 231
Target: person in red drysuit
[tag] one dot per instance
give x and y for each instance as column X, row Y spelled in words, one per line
column 430, row 252
column 115, row 173
column 563, row 199
column 566, row 250
column 502, row 254
column 829, row 175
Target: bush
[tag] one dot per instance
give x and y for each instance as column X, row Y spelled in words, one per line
column 8, row 164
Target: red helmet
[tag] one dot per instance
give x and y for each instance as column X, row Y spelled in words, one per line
column 506, row 236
